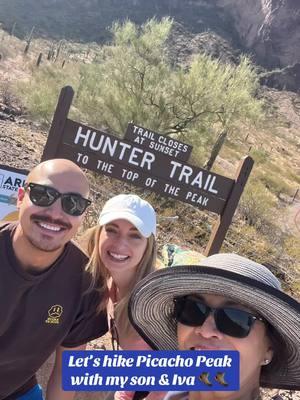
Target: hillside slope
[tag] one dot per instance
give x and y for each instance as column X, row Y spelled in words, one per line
column 270, row 29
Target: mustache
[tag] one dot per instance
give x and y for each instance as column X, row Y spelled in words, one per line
column 49, row 220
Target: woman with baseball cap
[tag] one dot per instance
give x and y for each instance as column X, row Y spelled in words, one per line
column 226, row 303
column 122, row 250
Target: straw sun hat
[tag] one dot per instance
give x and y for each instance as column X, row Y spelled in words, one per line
column 231, row 276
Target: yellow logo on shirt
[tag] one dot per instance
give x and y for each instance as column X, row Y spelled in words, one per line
column 54, row 314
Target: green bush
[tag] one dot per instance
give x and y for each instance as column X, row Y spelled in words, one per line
column 293, row 176
column 133, row 80
column 257, row 205
column 276, row 184
column 259, row 156
column 39, row 95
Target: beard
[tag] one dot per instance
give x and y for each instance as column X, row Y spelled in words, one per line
column 44, row 245
column 45, row 242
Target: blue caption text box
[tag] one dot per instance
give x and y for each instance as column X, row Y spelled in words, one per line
column 151, row 370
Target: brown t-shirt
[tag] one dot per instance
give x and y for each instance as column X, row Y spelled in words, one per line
column 38, row 313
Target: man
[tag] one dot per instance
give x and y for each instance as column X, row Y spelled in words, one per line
column 45, row 301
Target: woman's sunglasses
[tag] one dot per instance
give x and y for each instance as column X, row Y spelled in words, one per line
column 192, row 311
column 44, row 196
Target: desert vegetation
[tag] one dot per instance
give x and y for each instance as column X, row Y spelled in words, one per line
column 133, row 78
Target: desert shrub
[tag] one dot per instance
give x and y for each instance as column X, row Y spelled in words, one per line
column 6, row 49
column 292, row 247
column 10, row 46
column 246, row 240
column 276, row 184
column 39, row 95
column 133, row 80
column 257, row 205
column 291, row 175
column 7, row 94
column 259, row 156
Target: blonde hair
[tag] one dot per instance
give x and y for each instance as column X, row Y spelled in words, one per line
column 100, row 276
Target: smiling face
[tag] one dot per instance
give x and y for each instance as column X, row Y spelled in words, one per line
column 121, row 246
column 48, row 229
column 254, row 349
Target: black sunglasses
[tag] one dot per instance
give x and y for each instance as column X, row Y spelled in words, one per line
column 44, row 196
column 192, row 311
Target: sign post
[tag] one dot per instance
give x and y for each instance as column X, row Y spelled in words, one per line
column 224, row 220
column 58, row 123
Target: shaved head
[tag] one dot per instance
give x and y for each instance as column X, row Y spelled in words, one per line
column 48, row 228
column 60, row 169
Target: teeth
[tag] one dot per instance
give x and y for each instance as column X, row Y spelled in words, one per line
column 118, row 256
column 50, row 227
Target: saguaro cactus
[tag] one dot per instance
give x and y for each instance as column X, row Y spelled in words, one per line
column 13, row 29
column 215, row 150
column 29, row 41
column 60, row 47
column 51, row 52
column 39, row 59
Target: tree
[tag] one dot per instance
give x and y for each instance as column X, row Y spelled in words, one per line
column 133, row 80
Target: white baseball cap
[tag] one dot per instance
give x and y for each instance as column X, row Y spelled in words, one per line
column 131, row 208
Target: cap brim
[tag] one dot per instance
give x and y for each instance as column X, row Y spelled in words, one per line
column 133, row 219
column 151, row 309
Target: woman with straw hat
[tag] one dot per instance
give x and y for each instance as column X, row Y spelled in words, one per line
column 226, row 303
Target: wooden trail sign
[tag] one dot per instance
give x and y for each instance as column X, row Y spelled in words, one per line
column 149, row 160
column 157, row 142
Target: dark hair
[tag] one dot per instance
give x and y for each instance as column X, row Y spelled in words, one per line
column 279, row 347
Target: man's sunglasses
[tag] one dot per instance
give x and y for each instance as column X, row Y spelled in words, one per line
column 44, row 196
column 192, row 311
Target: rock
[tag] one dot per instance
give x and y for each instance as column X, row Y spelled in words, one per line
column 287, row 78
column 269, row 28
column 4, row 116
column 182, row 45
column 22, row 122
column 10, row 109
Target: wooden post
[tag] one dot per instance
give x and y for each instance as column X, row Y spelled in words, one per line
column 58, row 123
column 39, row 59
column 220, row 229
column 29, row 40
column 295, row 195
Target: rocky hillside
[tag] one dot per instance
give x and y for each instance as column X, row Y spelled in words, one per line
column 270, row 29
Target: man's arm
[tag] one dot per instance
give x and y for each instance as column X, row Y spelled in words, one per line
column 54, row 387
